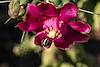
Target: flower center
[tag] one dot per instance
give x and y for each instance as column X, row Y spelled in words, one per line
column 53, row 33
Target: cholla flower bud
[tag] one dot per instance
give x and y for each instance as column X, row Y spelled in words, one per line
column 17, row 8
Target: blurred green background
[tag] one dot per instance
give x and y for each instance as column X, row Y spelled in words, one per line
column 26, row 54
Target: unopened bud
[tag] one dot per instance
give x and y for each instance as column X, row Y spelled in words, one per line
column 17, row 8
column 14, row 8
column 24, row 2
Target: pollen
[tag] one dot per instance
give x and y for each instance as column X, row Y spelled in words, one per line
column 52, row 33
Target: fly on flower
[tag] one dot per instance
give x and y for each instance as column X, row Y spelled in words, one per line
column 55, row 25
column 46, row 42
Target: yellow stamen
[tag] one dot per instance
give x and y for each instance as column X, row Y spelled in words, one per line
column 52, row 34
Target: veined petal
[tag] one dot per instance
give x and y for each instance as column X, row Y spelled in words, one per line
column 81, row 38
column 36, row 27
column 30, row 27
column 68, row 12
column 33, row 14
column 32, row 11
column 24, row 26
column 61, row 43
column 39, row 38
column 47, row 9
column 80, row 26
column 51, row 22
column 75, row 36
column 64, row 29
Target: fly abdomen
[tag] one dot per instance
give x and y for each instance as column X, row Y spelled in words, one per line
column 46, row 42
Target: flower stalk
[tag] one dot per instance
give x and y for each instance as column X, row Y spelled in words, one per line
column 7, row 20
column 23, row 36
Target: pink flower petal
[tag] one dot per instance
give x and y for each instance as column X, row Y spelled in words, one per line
column 36, row 27
column 80, row 26
column 68, row 12
column 32, row 11
column 39, row 38
column 47, row 9
column 52, row 22
column 75, row 36
column 33, row 14
column 23, row 26
column 30, row 27
column 61, row 43
column 81, row 38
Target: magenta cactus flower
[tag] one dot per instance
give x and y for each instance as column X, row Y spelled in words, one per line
column 55, row 25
